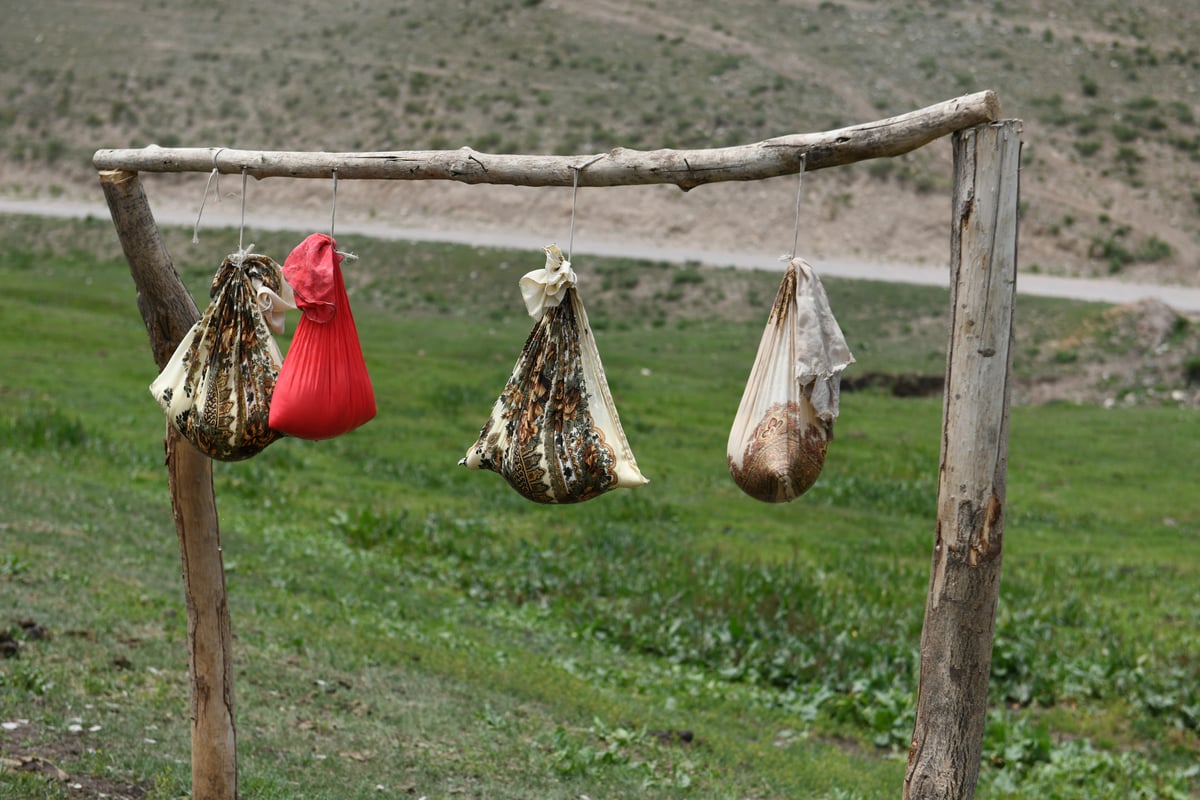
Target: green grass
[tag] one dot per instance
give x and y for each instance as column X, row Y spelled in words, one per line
column 402, row 622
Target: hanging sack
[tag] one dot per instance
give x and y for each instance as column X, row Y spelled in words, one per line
column 216, row 389
column 785, row 420
column 554, row 433
column 323, row 389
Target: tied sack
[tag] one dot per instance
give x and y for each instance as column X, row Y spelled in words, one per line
column 554, row 433
column 216, row 389
column 324, row 389
column 785, row 420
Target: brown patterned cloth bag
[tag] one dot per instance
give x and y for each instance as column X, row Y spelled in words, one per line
column 554, row 433
column 785, row 421
column 216, row 389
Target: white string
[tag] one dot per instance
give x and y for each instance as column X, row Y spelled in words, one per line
column 216, row 173
column 574, row 193
column 333, row 213
column 333, row 216
column 799, row 186
column 242, row 229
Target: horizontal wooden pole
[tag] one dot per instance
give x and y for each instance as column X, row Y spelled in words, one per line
column 783, row 155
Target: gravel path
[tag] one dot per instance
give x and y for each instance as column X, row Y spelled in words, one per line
column 1183, row 299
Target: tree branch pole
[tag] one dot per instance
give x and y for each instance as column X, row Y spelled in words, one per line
column 964, row 586
column 783, row 155
column 169, row 312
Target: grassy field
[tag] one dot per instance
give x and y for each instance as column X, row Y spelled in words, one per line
column 406, row 627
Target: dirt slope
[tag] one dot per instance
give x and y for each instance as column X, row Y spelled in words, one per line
column 1108, row 96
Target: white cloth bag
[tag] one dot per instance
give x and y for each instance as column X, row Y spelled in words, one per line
column 785, row 421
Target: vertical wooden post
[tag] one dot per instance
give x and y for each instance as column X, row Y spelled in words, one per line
column 169, row 312
column 964, row 586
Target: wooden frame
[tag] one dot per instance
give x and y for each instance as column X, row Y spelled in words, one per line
column 956, row 641
column 783, row 155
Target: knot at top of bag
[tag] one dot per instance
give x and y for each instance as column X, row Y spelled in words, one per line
column 313, row 269
column 546, row 287
column 249, row 267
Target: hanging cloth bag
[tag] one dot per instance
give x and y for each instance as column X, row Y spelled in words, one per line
column 785, row 420
column 554, row 433
column 324, row 389
column 216, row 389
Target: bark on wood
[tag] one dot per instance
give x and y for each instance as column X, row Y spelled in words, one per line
column 166, row 305
column 210, row 637
column 169, row 311
column 783, row 155
column 960, row 614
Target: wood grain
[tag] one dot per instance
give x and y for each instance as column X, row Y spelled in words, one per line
column 783, row 155
column 169, row 312
column 964, row 586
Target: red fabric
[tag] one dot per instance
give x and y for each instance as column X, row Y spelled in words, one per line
column 323, row 388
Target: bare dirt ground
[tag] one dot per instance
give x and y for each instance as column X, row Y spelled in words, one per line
column 843, row 217
column 848, row 224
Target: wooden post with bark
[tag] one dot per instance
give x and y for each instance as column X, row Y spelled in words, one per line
column 956, row 641
column 964, row 585
column 169, row 312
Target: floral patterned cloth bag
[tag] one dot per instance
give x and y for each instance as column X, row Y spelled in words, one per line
column 324, row 389
column 785, row 421
column 216, row 389
column 554, row 433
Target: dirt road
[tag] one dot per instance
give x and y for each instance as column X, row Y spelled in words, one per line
column 1183, row 299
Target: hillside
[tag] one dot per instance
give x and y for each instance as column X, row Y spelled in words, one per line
column 1108, row 95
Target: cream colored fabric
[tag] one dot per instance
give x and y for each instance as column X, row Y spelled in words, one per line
column 273, row 305
column 547, row 287
column 784, row 422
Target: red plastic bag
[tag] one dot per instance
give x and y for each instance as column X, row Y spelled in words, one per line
column 323, row 388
